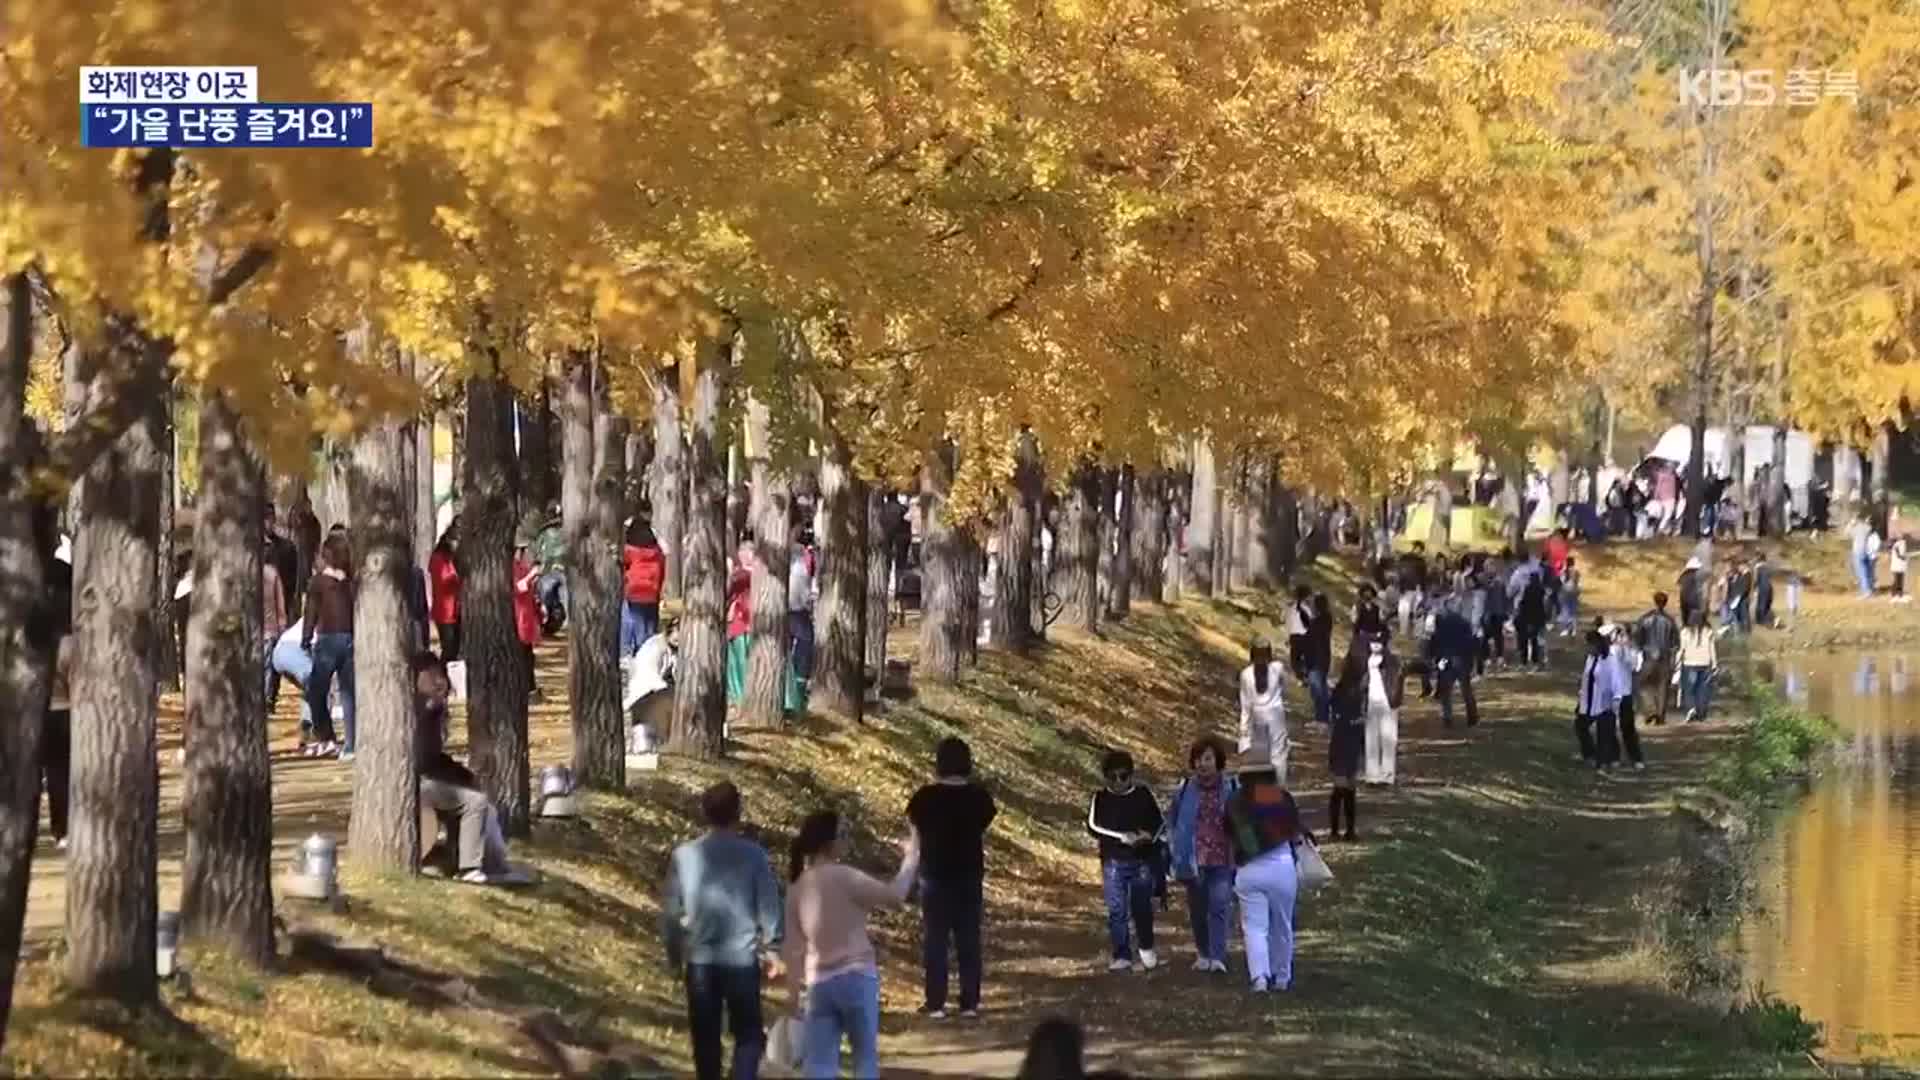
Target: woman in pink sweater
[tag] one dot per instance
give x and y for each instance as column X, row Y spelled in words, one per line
column 831, row 967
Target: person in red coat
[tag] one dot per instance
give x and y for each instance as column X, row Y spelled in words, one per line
column 739, row 622
column 643, row 572
column 526, row 606
column 443, row 574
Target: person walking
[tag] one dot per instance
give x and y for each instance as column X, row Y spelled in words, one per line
column 1384, row 688
column 643, row 573
column 800, row 643
column 443, row 574
column 1265, row 822
column 1263, row 712
column 1897, row 566
column 327, row 635
column 832, row 972
column 1699, row 659
column 1763, row 591
column 1569, row 613
column 1627, row 665
column 1693, row 589
column 1367, row 618
column 1740, row 596
column 1452, row 652
column 1202, row 851
column 739, row 623
column 1530, row 620
column 1657, row 638
column 1493, row 618
column 951, row 816
column 1316, row 658
column 1600, row 694
column 1863, row 546
column 550, row 556
column 1347, row 744
column 526, row 609
column 1124, row 817
column 721, row 918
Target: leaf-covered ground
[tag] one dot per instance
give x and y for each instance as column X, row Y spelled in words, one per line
column 1491, row 919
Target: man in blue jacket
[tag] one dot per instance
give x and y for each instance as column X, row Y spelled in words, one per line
column 1451, row 653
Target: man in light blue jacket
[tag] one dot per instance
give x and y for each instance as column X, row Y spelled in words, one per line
column 1202, row 851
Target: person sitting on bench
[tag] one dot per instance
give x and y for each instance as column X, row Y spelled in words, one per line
column 450, row 789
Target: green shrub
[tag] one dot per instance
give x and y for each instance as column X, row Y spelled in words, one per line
column 1777, row 1026
column 1781, row 741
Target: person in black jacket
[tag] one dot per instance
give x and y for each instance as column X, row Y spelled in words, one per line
column 1125, row 818
column 1452, row 652
column 1316, row 658
column 951, row 816
column 1367, row 618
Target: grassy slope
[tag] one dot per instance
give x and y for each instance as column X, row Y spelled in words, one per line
column 1489, row 922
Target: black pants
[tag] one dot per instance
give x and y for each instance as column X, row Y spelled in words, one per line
column 526, row 663
column 1629, row 732
column 1461, row 675
column 1603, row 750
column 1528, row 633
column 449, row 642
column 56, row 764
column 1494, row 641
column 718, row 998
column 951, row 910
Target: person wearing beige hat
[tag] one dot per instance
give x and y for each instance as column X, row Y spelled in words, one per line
column 1263, row 711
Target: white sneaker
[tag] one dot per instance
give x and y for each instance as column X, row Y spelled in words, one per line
column 1259, row 984
column 1120, row 964
column 1218, row 967
column 1203, row 964
column 1149, row 960
column 60, row 844
column 1639, row 766
column 346, row 755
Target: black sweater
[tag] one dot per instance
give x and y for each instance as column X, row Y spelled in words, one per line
column 1109, row 814
column 952, row 820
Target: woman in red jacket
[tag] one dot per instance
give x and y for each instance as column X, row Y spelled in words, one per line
column 444, row 576
column 644, row 571
column 526, row 606
column 739, row 622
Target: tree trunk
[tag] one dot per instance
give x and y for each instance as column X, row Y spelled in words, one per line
column 639, row 459
column 700, row 695
column 879, row 556
column 1148, row 539
column 668, row 494
column 841, row 617
column 942, row 573
column 112, row 895
column 739, row 500
column 1201, row 522
column 1013, row 623
column 330, row 498
column 425, row 513
column 771, row 506
column 1223, row 522
column 1879, row 452
column 29, row 631
column 383, row 832
column 972, row 560
column 1246, row 515
column 1283, row 545
column 1045, row 559
column 1078, row 551
column 457, row 468
column 496, row 680
column 1777, row 499
column 167, row 647
column 593, row 510
column 227, row 895
column 1177, row 492
column 1120, row 603
column 539, row 477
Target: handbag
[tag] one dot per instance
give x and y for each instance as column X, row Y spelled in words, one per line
column 786, row 1048
column 1312, row 870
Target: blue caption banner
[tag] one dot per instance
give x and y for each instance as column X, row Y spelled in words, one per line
column 249, row 125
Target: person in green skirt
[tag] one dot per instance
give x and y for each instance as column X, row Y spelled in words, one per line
column 739, row 622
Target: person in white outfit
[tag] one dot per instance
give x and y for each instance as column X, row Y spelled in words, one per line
column 650, row 686
column 1383, row 694
column 1263, row 712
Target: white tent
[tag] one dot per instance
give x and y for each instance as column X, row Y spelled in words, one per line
column 1677, row 446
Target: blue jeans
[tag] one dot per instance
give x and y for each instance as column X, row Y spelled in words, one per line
column 638, row 622
column 292, row 662
column 1322, row 697
column 1863, row 573
column 846, row 1005
column 332, row 656
column 552, row 590
column 1696, row 689
column 1209, row 903
column 951, row 909
column 1127, row 886
column 720, row 996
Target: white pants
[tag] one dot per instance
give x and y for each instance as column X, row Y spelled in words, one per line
column 1383, row 742
column 1262, row 746
column 1267, row 888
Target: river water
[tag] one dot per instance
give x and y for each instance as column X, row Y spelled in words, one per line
column 1837, row 930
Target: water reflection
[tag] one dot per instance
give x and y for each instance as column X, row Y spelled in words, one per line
column 1839, row 929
